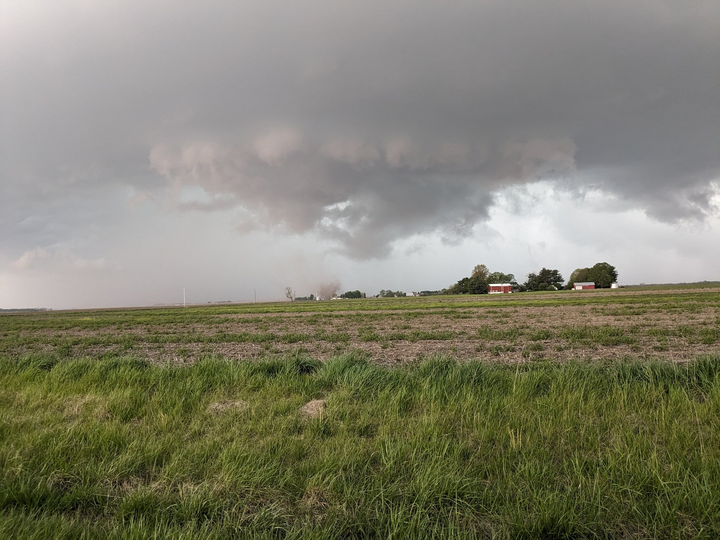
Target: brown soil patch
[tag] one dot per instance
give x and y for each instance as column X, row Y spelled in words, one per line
column 73, row 407
column 218, row 407
column 314, row 408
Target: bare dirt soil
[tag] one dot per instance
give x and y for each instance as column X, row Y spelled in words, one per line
column 314, row 408
column 227, row 405
column 512, row 333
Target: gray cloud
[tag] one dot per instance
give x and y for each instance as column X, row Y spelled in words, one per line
column 364, row 123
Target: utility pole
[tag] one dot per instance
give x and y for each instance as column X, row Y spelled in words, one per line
column 184, row 297
column 254, row 296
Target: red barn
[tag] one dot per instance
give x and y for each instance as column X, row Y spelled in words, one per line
column 499, row 288
column 583, row 285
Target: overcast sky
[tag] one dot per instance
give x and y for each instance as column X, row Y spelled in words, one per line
column 229, row 147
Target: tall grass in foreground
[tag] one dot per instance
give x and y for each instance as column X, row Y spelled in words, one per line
column 120, row 448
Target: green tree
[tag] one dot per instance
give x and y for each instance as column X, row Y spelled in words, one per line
column 578, row 275
column 477, row 285
column 481, row 271
column 469, row 285
column 499, row 277
column 478, row 281
column 461, row 287
column 544, row 280
column 391, row 294
column 603, row 274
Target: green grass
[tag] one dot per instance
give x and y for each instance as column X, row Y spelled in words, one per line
column 601, row 335
column 121, row 448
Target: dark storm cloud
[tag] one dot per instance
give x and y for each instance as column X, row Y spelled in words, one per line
column 365, row 122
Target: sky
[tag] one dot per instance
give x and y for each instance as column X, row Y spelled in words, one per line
column 233, row 149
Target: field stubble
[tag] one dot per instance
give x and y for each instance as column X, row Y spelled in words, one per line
column 668, row 325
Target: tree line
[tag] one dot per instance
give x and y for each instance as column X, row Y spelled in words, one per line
column 602, row 274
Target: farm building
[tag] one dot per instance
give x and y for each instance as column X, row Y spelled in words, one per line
column 583, row 285
column 499, row 288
